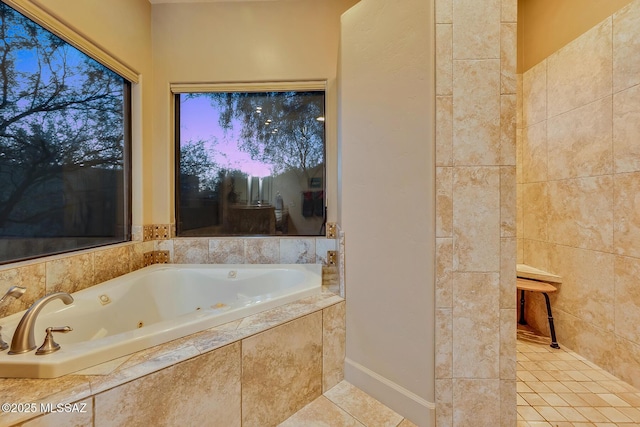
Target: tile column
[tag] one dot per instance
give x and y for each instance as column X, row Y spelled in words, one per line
column 476, row 212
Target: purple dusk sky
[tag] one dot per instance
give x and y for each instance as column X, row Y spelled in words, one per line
column 199, row 120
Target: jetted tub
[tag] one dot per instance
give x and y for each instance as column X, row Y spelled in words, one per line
column 152, row 306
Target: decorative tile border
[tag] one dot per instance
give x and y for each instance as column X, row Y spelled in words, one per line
column 158, row 232
column 147, row 232
column 161, row 257
column 148, row 258
column 162, row 231
column 156, row 257
column 332, row 232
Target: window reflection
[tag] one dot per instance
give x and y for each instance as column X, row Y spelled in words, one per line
column 64, row 144
column 250, row 163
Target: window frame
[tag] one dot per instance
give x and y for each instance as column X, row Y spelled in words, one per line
column 54, row 25
column 177, row 89
column 49, row 23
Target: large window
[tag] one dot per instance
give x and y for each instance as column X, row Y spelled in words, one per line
column 250, row 163
column 64, row 143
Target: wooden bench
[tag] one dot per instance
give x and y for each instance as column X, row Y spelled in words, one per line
column 544, row 288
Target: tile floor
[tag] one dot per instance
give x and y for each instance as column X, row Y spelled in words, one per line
column 556, row 388
column 559, row 388
column 346, row 406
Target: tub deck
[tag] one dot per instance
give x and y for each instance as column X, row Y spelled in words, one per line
column 152, row 306
column 109, row 375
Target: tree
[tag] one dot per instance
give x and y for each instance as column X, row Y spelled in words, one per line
column 284, row 129
column 59, row 111
column 195, row 160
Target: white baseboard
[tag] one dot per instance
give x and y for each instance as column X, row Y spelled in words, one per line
column 408, row 404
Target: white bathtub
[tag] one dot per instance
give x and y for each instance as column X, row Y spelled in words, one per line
column 152, row 306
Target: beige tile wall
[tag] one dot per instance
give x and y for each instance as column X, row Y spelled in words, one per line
column 252, row 250
column 578, row 187
column 204, row 390
column 79, row 270
column 281, row 371
column 69, row 273
column 334, row 345
column 476, row 212
column 258, row 380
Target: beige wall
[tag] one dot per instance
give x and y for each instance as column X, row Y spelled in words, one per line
column 544, row 26
column 262, row 41
column 97, row 21
column 123, row 29
column 200, row 42
column 475, row 212
column 386, row 136
column 240, row 42
column 578, row 182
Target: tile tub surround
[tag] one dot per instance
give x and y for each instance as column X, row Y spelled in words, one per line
column 69, row 272
column 79, row 270
column 214, row 375
column 577, row 190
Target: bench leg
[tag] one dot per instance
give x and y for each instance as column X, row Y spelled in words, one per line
column 554, row 343
column 522, row 320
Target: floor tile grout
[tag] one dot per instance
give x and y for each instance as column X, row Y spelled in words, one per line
column 346, row 405
column 556, row 387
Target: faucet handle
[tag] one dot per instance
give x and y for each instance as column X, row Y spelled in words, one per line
column 3, row 345
column 49, row 345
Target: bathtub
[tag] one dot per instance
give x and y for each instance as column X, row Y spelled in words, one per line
column 152, row 306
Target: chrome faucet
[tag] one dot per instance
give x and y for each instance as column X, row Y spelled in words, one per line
column 23, row 338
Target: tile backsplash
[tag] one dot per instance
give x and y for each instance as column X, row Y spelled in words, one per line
column 79, row 270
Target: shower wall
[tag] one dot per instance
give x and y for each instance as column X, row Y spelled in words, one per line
column 579, row 190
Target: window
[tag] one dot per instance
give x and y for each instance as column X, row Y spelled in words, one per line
column 250, row 163
column 64, row 145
